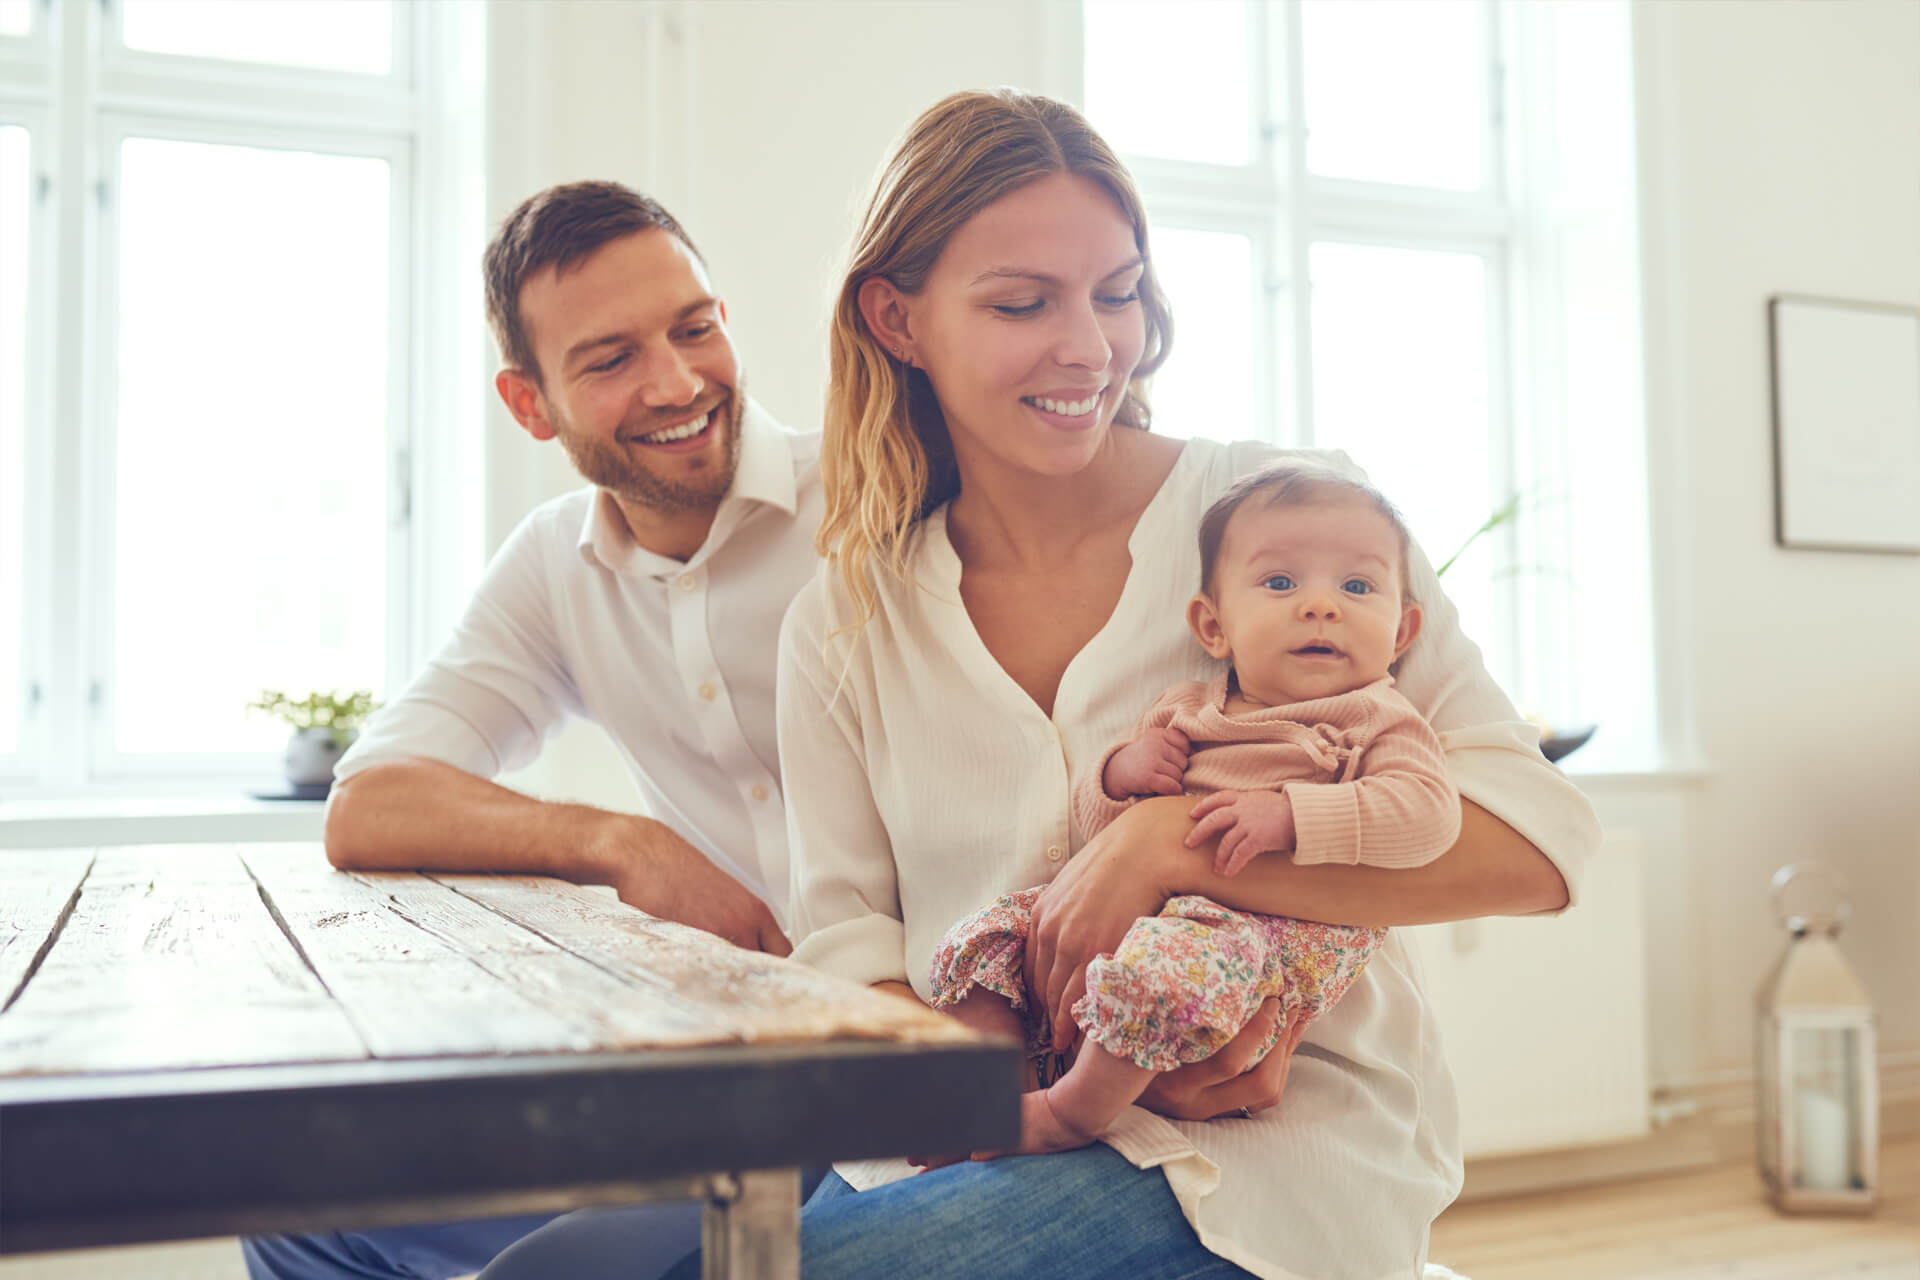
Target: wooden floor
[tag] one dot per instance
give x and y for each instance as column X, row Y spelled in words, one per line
column 1691, row 1226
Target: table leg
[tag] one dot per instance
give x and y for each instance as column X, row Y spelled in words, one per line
column 752, row 1226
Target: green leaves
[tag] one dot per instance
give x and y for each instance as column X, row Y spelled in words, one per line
column 1501, row 514
column 342, row 713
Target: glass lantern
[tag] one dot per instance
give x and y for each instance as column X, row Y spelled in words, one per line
column 1816, row 1091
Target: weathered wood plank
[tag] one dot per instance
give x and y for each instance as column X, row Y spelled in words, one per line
column 768, row 999
column 36, row 885
column 422, row 970
column 170, row 960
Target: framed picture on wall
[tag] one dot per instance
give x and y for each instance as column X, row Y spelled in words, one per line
column 1846, row 424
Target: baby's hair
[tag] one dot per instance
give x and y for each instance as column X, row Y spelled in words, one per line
column 1291, row 484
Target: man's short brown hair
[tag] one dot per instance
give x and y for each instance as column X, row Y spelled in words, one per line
column 558, row 228
column 1292, row 484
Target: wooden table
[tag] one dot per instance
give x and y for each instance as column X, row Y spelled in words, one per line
column 215, row 1040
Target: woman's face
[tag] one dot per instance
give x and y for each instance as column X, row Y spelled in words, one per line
column 1030, row 327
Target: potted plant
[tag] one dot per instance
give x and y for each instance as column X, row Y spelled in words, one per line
column 324, row 726
column 1555, row 742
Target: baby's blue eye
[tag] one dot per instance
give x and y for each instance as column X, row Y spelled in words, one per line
column 1357, row 587
column 1278, row 582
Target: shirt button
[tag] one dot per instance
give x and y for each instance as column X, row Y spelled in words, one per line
column 707, row 692
column 687, row 581
column 1055, row 853
column 759, row 792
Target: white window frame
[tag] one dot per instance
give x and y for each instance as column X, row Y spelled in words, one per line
column 1284, row 209
column 81, row 92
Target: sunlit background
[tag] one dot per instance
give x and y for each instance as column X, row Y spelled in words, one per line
column 355, row 36
column 14, row 203
column 1339, row 217
column 253, row 375
column 1399, row 339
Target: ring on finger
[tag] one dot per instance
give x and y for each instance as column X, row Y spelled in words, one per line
column 1246, row 1113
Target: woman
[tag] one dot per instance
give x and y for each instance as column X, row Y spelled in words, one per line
column 1006, row 539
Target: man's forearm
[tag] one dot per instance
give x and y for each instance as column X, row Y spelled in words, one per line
column 1491, row 870
column 422, row 815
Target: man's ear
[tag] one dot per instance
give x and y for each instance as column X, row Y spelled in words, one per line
column 1410, row 619
column 1203, row 617
column 884, row 307
column 525, row 402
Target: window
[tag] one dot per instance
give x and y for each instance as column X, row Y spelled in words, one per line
column 1405, row 229
column 215, row 345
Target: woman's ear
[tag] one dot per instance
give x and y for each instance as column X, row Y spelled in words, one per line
column 525, row 402
column 885, row 309
column 1410, row 619
column 1203, row 617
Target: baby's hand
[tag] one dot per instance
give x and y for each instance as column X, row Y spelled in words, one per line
column 1151, row 765
column 1254, row 822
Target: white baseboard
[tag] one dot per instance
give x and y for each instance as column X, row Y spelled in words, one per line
column 1712, row 1123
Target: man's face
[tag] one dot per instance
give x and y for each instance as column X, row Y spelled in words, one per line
column 639, row 381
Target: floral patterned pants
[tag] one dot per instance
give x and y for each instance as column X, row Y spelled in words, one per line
column 1181, row 984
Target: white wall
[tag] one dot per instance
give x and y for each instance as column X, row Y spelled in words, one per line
column 1778, row 141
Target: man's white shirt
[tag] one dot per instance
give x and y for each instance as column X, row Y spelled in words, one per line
column 674, row 660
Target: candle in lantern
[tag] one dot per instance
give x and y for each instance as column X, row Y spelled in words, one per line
column 1824, row 1161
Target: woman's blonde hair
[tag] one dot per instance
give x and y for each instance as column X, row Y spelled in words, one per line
column 886, row 457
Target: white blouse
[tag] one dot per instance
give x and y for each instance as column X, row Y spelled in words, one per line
column 923, row 782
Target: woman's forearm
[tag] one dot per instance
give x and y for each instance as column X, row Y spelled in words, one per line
column 1491, row 870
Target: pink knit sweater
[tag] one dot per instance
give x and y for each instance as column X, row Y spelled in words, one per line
column 1364, row 770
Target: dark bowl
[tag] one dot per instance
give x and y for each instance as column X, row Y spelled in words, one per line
column 1564, row 742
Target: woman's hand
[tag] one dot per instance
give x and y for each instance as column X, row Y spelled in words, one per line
column 1116, row 879
column 1230, row 1080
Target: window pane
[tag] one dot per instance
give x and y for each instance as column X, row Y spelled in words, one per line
column 14, row 186
column 1169, row 77
column 16, row 17
column 338, row 35
column 1400, row 383
column 252, row 517
column 1394, row 90
column 1206, row 388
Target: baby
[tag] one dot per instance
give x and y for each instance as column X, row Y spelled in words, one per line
column 1301, row 748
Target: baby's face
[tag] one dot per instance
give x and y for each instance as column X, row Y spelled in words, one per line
column 1309, row 598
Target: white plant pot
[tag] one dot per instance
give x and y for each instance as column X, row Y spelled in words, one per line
column 311, row 755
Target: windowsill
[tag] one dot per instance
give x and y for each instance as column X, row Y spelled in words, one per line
column 221, row 818
column 1672, row 772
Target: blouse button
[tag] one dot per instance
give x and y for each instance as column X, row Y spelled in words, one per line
column 707, row 692
column 1055, row 853
column 759, row 792
column 686, row 581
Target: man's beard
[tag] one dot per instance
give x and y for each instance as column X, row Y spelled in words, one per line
column 617, row 469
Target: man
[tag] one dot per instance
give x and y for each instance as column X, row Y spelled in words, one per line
column 649, row 602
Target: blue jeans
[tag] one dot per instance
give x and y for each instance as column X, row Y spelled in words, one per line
column 436, row 1251
column 1080, row 1213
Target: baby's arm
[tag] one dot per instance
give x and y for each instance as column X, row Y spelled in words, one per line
column 1248, row 823
column 1403, row 809
column 1152, row 762
column 1150, row 765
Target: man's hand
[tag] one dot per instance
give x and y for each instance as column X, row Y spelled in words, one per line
column 1219, row 1086
column 1151, row 765
column 1247, row 822
column 652, row 868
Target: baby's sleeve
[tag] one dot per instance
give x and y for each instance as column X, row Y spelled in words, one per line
column 1093, row 808
column 1402, row 810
